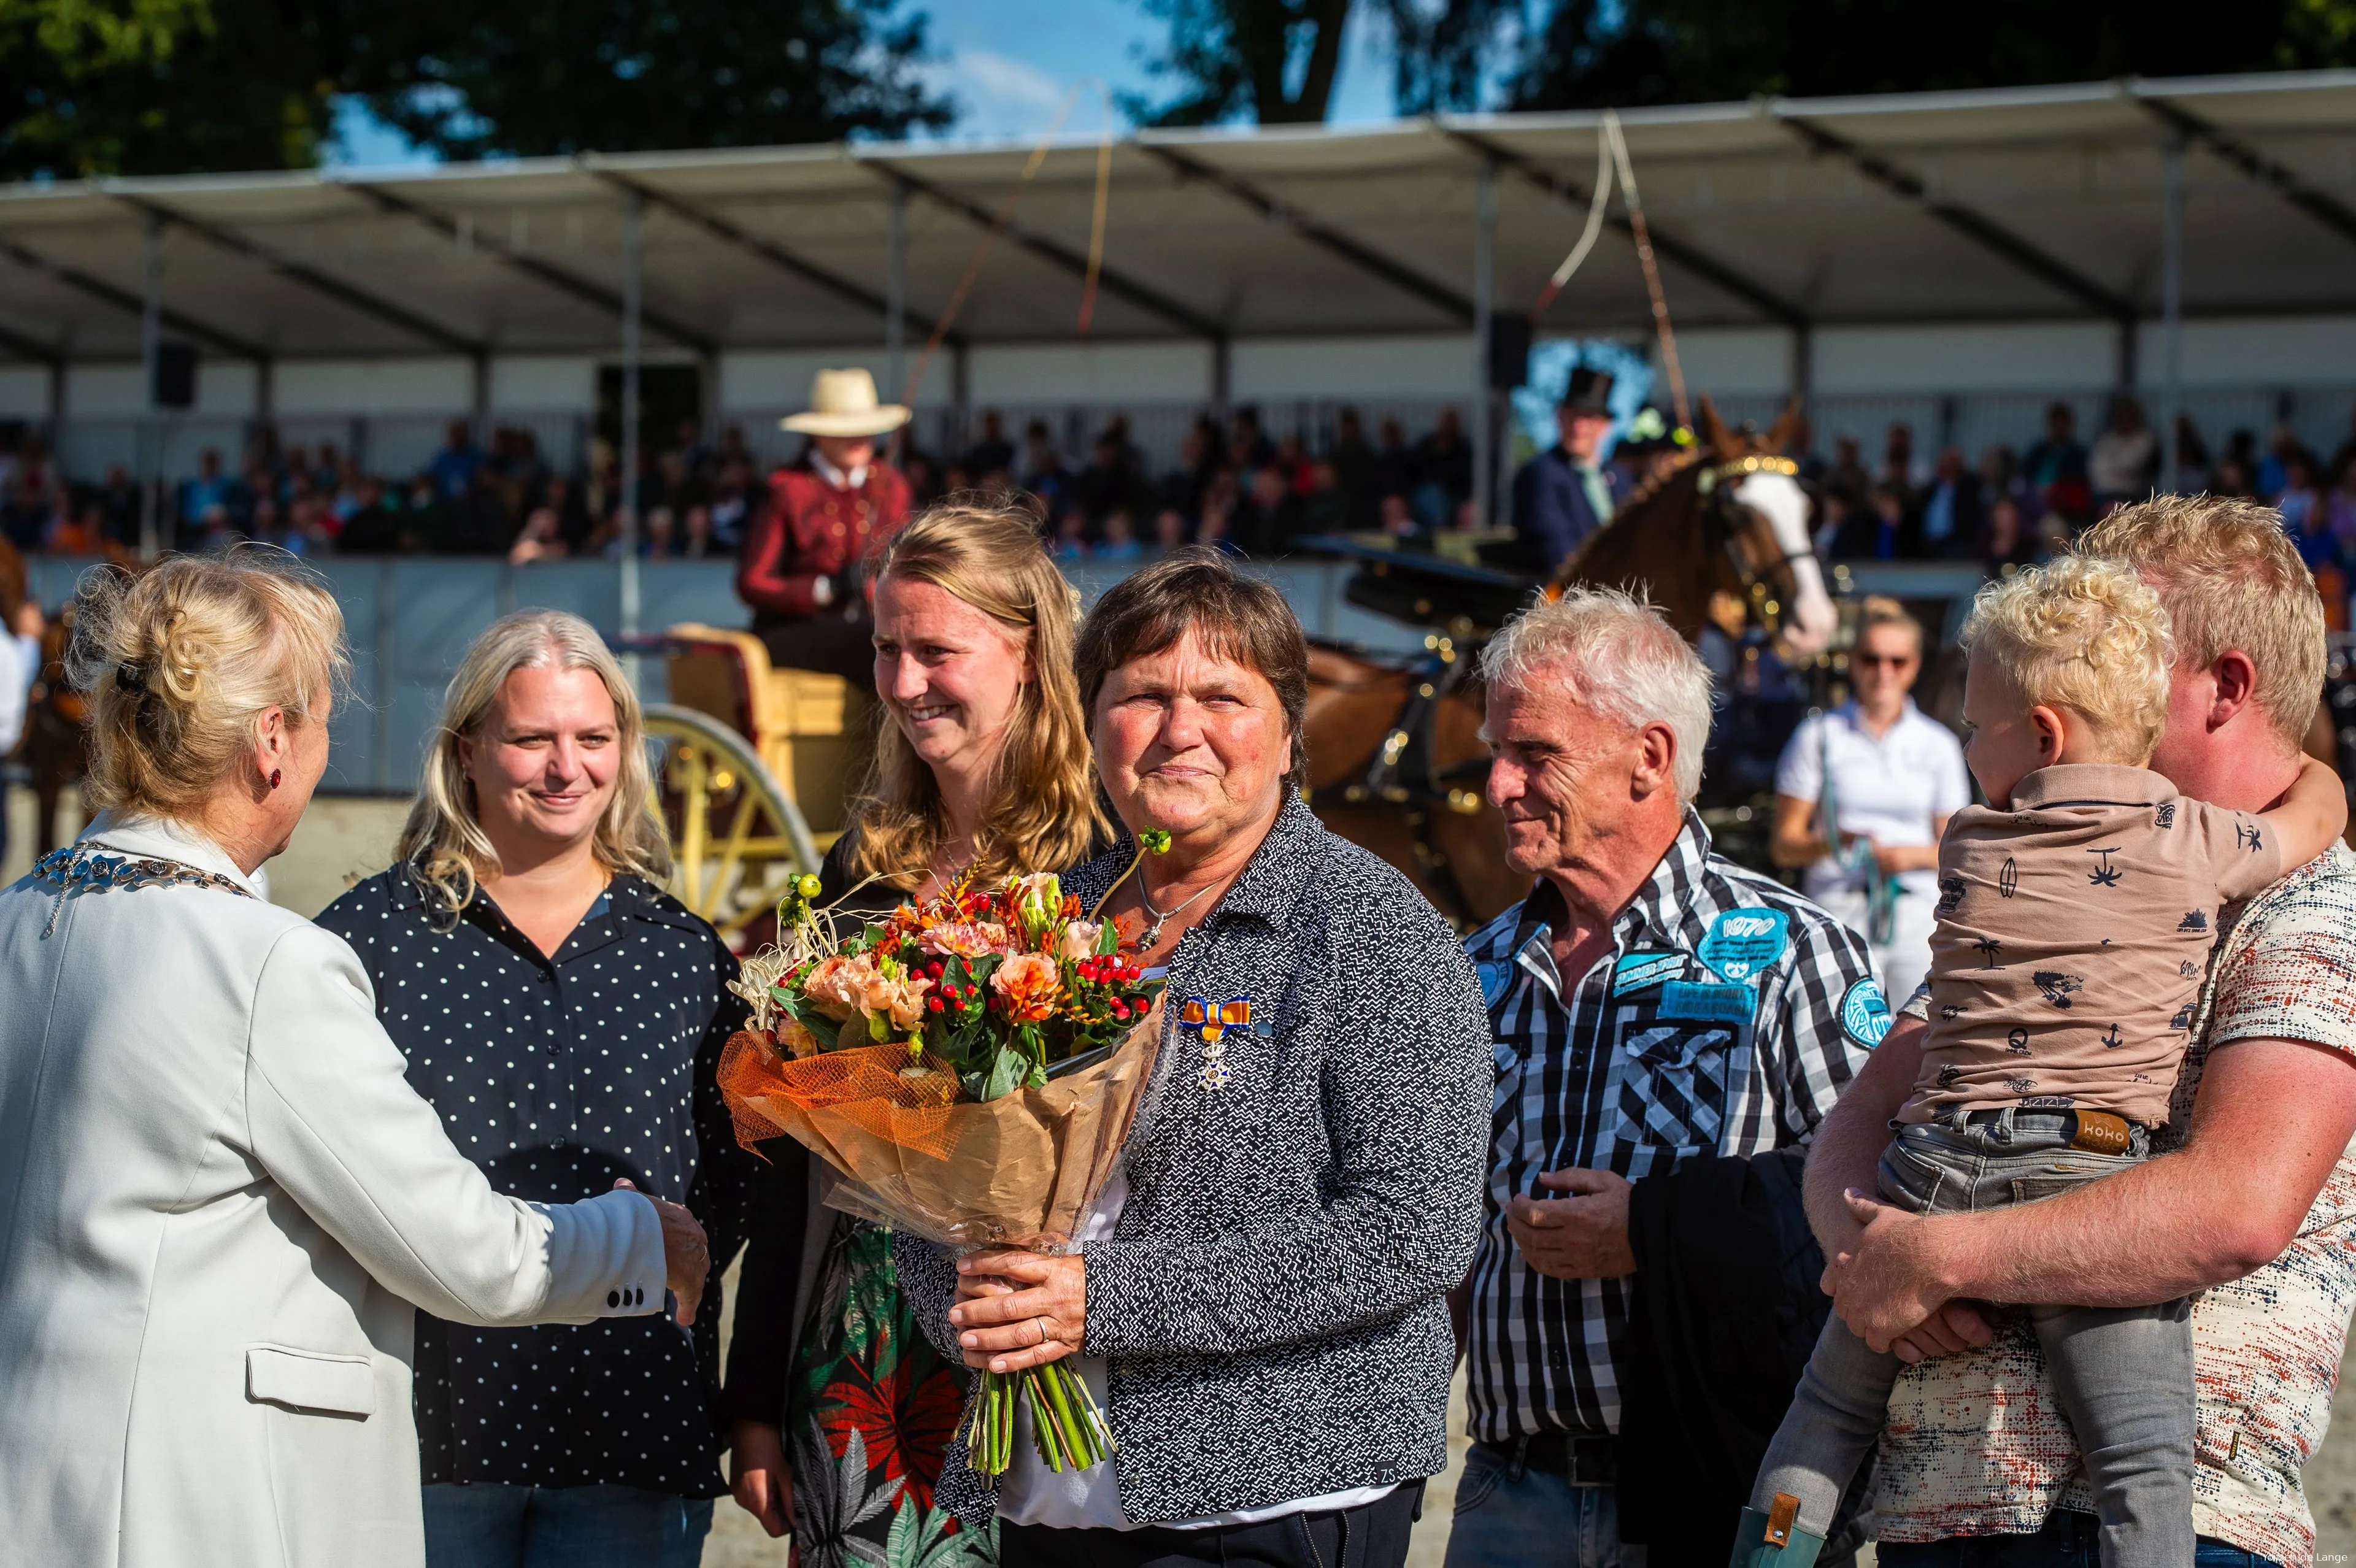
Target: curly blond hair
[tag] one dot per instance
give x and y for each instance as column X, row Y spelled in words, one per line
column 2087, row 634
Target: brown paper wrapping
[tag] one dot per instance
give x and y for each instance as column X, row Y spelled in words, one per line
column 1020, row 1170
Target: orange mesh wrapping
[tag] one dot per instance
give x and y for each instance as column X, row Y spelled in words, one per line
column 1025, row 1169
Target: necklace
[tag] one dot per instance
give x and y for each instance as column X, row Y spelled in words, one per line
column 1161, row 917
column 80, row 867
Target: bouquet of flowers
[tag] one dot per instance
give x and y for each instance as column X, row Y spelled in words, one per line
column 968, row 1067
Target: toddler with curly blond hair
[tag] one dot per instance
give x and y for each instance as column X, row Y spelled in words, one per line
column 2076, row 912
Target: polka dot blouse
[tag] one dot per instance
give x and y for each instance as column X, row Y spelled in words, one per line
column 557, row 1075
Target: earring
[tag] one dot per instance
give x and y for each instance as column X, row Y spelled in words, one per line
column 274, row 778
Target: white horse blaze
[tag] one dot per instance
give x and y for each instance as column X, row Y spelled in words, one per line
column 1779, row 498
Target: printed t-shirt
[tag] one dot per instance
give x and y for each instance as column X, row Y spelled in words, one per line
column 2073, row 931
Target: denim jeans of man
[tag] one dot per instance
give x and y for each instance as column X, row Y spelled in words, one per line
column 487, row 1525
column 2123, row 1376
column 1533, row 1519
column 2068, row 1540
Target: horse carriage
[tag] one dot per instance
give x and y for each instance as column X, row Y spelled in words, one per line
column 1396, row 757
column 753, row 767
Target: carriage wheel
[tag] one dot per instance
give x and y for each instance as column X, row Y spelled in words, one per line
column 736, row 836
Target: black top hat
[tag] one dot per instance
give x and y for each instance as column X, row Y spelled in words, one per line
column 1589, row 392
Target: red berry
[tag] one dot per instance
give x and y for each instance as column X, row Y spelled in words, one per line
column 935, row 1004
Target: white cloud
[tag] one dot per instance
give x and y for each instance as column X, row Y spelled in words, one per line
column 999, row 98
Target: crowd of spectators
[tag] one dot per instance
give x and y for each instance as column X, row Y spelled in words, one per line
column 1233, row 484
column 2020, row 505
column 1236, row 484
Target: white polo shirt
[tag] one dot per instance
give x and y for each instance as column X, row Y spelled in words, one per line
column 1892, row 789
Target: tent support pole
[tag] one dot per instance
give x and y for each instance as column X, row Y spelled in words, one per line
column 151, row 353
column 895, row 297
column 2171, row 311
column 633, row 223
column 1484, row 304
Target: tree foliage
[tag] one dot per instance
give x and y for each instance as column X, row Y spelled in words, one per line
column 534, row 76
column 173, row 86
column 1274, row 61
column 161, row 86
column 1596, row 52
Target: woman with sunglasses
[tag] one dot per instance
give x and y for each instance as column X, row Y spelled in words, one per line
column 1887, row 776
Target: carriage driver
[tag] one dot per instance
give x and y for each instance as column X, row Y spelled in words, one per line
column 799, row 570
column 1653, row 1008
column 1568, row 491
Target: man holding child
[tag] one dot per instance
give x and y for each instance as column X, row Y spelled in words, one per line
column 2252, row 1210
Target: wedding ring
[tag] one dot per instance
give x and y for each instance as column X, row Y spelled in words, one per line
column 1040, row 1324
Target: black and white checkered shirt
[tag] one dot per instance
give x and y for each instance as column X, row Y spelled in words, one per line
column 1726, row 1017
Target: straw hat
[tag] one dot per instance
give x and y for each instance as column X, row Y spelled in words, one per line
column 843, row 403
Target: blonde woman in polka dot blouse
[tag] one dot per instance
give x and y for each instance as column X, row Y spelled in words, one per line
column 564, row 1016
column 840, row 1408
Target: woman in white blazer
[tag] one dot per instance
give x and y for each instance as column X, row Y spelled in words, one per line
column 219, row 1197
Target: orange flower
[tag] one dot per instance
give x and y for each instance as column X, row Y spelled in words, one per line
column 1029, row 982
column 963, row 938
column 836, row 986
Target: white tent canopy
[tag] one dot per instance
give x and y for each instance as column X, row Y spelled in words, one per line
column 1949, row 207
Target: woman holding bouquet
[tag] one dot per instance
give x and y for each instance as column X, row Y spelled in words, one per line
column 836, row 1397
column 221, row 1197
column 1258, row 1301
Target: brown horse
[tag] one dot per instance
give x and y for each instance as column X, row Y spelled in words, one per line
column 1396, row 762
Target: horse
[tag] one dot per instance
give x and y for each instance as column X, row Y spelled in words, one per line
column 1396, row 762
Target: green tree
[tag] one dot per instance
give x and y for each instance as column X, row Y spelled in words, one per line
column 164, row 86
column 1271, row 59
column 1595, row 52
column 533, row 77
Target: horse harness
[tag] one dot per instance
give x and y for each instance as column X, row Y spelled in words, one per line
column 1719, row 527
column 1404, row 770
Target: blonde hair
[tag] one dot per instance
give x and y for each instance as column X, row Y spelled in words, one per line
column 1043, row 813
column 1881, row 610
column 2231, row 578
column 182, row 660
column 1614, row 653
column 442, row 843
column 2083, row 633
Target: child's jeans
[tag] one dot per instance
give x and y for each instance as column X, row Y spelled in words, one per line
column 2124, row 1375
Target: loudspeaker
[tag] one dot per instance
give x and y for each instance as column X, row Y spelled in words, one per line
column 175, row 375
column 1509, row 350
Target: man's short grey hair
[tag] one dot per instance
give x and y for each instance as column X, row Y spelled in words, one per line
column 1615, row 656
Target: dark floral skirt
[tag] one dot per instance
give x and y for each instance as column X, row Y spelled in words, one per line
column 872, row 1409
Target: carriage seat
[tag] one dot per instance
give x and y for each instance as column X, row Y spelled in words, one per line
column 810, row 730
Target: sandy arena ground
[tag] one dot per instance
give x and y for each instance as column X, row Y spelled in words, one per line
column 345, row 838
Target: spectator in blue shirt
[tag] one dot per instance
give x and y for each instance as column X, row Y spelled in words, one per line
column 211, row 488
column 454, row 466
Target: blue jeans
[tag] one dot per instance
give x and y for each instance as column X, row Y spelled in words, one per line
column 2123, row 1375
column 2068, row 1540
column 1535, row 1521
column 489, row 1525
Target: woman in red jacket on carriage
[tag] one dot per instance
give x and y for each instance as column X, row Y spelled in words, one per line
column 799, row 570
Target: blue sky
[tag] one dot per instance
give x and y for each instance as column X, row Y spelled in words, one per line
column 1011, row 64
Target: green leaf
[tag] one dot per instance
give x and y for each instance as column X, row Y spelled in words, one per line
column 1012, row 1068
column 1108, row 941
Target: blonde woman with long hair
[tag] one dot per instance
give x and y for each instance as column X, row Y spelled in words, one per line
column 565, row 1017
column 982, row 766
column 220, row 1198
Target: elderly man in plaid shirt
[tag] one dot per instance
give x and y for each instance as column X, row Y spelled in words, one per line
column 2256, row 1212
column 1649, row 1000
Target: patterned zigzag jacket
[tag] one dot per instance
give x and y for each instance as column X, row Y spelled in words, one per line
column 1271, row 1300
